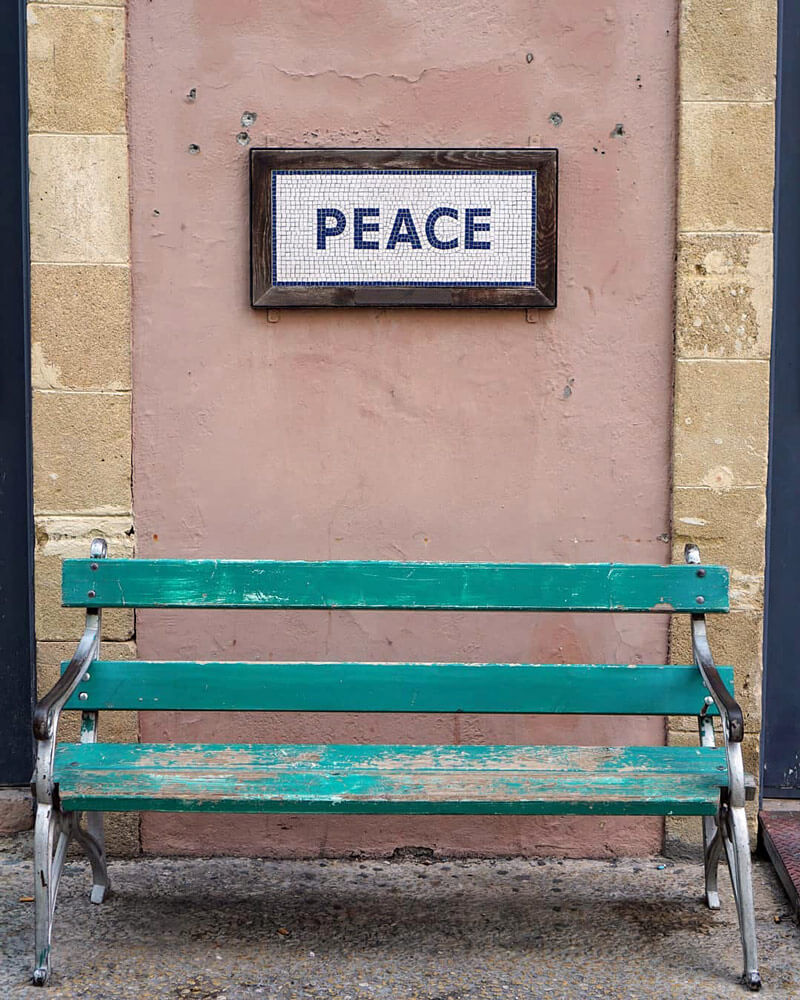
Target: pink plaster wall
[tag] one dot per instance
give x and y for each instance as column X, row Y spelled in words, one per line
column 394, row 433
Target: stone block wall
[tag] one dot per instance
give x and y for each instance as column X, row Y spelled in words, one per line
column 723, row 321
column 80, row 324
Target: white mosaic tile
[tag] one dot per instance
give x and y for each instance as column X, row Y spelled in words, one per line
column 403, row 227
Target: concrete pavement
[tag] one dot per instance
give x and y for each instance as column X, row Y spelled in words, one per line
column 407, row 929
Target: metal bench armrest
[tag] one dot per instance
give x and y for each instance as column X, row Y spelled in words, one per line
column 729, row 708
column 48, row 709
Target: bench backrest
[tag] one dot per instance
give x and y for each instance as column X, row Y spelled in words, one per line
column 635, row 689
column 233, row 583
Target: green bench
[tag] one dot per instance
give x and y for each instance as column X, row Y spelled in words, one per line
column 93, row 778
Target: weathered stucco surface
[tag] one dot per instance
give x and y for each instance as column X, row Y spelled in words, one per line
column 397, row 433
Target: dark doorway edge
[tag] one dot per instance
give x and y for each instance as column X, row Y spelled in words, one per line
column 17, row 681
column 781, row 693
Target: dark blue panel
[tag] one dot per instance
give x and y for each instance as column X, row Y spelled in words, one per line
column 781, row 730
column 16, row 529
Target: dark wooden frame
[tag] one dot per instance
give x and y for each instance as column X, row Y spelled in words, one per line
column 263, row 294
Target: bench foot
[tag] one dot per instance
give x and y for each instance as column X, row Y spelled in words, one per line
column 98, row 893
column 92, row 841
column 41, row 975
column 736, row 841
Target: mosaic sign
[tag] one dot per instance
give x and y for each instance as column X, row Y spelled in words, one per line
column 347, row 227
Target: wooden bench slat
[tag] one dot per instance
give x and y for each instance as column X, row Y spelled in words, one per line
column 391, row 779
column 635, row 689
column 175, row 583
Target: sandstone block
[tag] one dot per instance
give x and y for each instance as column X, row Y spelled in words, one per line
column 16, row 810
column 724, row 295
column 79, row 198
column 76, row 69
column 122, row 834
column 60, row 538
column 726, row 167
column 721, row 423
column 727, row 525
column 82, row 452
column 80, row 326
column 728, row 50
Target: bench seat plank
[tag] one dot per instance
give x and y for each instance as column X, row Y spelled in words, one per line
column 232, row 583
column 390, row 779
column 628, row 689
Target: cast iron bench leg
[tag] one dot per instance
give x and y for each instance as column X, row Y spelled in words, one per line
column 712, row 839
column 731, row 821
column 736, row 838
column 49, row 834
column 54, row 831
column 712, row 842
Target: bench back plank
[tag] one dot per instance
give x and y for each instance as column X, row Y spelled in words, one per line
column 206, row 583
column 636, row 689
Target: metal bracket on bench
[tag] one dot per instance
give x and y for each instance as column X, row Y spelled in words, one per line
column 729, row 708
column 48, row 710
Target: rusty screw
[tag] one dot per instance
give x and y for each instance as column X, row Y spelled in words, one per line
column 91, row 594
column 701, row 573
column 93, row 566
